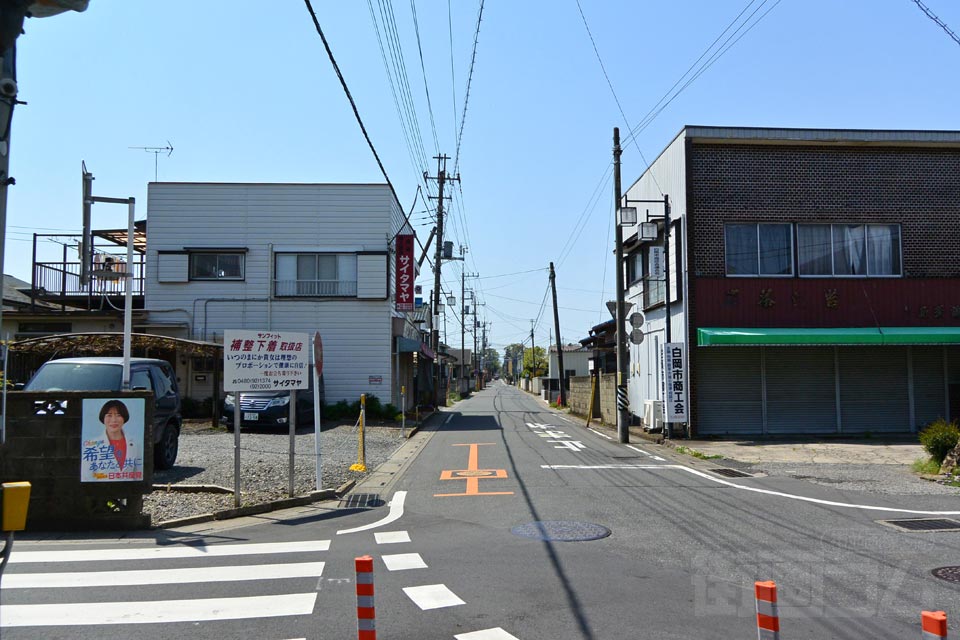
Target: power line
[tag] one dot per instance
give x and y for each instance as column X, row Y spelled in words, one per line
column 940, row 22
column 353, row 104
column 423, row 70
column 466, row 98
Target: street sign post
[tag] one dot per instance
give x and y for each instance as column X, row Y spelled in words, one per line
column 637, row 320
column 636, row 336
column 317, row 373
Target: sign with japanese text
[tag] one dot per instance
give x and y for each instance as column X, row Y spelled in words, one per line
column 675, row 404
column 655, row 266
column 406, row 273
column 111, row 440
column 265, row 360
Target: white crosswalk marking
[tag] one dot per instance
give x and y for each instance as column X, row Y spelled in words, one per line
column 391, row 537
column 57, row 591
column 194, row 610
column 486, row 634
column 403, row 561
column 163, row 576
column 163, row 553
column 432, row 596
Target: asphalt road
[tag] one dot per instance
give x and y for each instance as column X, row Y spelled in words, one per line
column 685, row 546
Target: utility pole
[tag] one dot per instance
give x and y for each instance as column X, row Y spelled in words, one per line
column 441, row 179
column 463, row 318
column 533, row 355
column 475, row 360
column 556, row 324
column 623, row 416
column 483, row 356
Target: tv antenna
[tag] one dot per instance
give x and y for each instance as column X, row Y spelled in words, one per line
column 156, row 151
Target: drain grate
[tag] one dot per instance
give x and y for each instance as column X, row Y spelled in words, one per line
column 361, row 501
column 950, row 574
column 731, row 473
column 560, row 531
column 924, row 524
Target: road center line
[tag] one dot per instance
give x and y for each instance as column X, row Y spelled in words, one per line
column 780, row 494
column 396, row 512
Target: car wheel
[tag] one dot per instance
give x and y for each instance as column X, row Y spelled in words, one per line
column 165, row 454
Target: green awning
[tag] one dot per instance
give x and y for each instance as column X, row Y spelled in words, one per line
column 789, row 336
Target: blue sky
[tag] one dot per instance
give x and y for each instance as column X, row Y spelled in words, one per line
column 247, row 94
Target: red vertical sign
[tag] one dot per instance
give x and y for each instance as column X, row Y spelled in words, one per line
column 405, row 272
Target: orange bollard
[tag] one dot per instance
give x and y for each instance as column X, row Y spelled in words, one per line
column 934, row 624
column 768, row 617
column 366, row 613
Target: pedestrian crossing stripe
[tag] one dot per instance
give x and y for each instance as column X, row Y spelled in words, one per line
column 167, row 552
column 162, row 576
column 163, row 611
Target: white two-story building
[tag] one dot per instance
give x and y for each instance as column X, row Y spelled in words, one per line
column 284, row 257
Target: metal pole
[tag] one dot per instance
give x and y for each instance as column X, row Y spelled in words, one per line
column 403, row 411
column 623, row 417
column 128, row 298
column 556, row 324
column 667, row 426
column 293, row 443
column 236, row 450
column 317, row 426
column 463, row 324
column 441, row 176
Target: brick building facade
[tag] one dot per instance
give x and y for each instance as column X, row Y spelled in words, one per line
column 815, row 279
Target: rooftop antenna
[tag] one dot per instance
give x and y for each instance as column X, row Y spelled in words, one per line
column 156, row 151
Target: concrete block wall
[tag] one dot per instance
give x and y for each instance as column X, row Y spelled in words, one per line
column 579, row 395
column 43, row 447
column 608, row 398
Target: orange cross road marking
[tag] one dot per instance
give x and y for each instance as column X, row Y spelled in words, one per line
column 473, row 474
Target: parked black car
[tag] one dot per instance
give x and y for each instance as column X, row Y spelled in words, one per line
column 106, row 374
column 269, row 408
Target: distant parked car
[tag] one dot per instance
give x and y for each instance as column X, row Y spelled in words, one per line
column 106, row 374
column 269, row 408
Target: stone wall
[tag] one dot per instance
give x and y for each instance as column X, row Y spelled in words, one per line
column 608, row 398
column 43, row 447
column 580, row 395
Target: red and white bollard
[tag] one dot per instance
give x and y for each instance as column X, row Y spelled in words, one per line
column 934, row 625
column 768, row 617
column 366, row 613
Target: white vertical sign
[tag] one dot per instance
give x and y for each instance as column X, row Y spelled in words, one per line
column 655, row 263
column 675, row 401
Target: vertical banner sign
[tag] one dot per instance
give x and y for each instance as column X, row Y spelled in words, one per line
column 405, row 272
column 675, row 406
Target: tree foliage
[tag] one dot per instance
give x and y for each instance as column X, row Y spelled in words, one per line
column 535, row 362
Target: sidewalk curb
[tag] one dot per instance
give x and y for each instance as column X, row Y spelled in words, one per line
column 256, row 509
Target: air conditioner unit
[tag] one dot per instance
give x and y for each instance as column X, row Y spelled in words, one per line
column 652, row 415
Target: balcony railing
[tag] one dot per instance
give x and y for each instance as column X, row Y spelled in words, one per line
column 63, row 279
column 315, row 288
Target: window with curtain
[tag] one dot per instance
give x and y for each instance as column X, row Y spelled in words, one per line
column 862, row 250
column 758, row 249
column 216, row 266
column 316, row 274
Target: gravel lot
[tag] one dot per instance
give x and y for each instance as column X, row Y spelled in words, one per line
column 206, row 458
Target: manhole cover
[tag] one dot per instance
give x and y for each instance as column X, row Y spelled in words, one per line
column 924, row 524
column 560, row 531
column 950, row 574
column 731, row 473
column 360, row 501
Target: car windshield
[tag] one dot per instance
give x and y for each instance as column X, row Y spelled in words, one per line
column 76, row 377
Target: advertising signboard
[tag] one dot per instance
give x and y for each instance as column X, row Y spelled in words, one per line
column 405, row 272
column 265, row 360
column 675, row 406
column 111, row 440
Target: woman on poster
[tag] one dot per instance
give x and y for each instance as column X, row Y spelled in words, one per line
column 112, row 454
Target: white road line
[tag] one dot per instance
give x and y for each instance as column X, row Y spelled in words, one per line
column 162, row 576
column 566, row 420
column 449, row 418
column 780, row 494
column 404, row 561
column 162, row 611
column 172, row 551
column 396, row 512
column 391, row 537
column 486, row 634
column 659, row 458
column 630, row 446
column 432, row 596
column 601, row 434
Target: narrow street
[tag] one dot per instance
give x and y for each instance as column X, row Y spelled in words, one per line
column 512, row 521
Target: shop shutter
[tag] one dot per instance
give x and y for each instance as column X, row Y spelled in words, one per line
column 873, row 389
column 929, row 398
column 728, row 391
column 801, row 390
